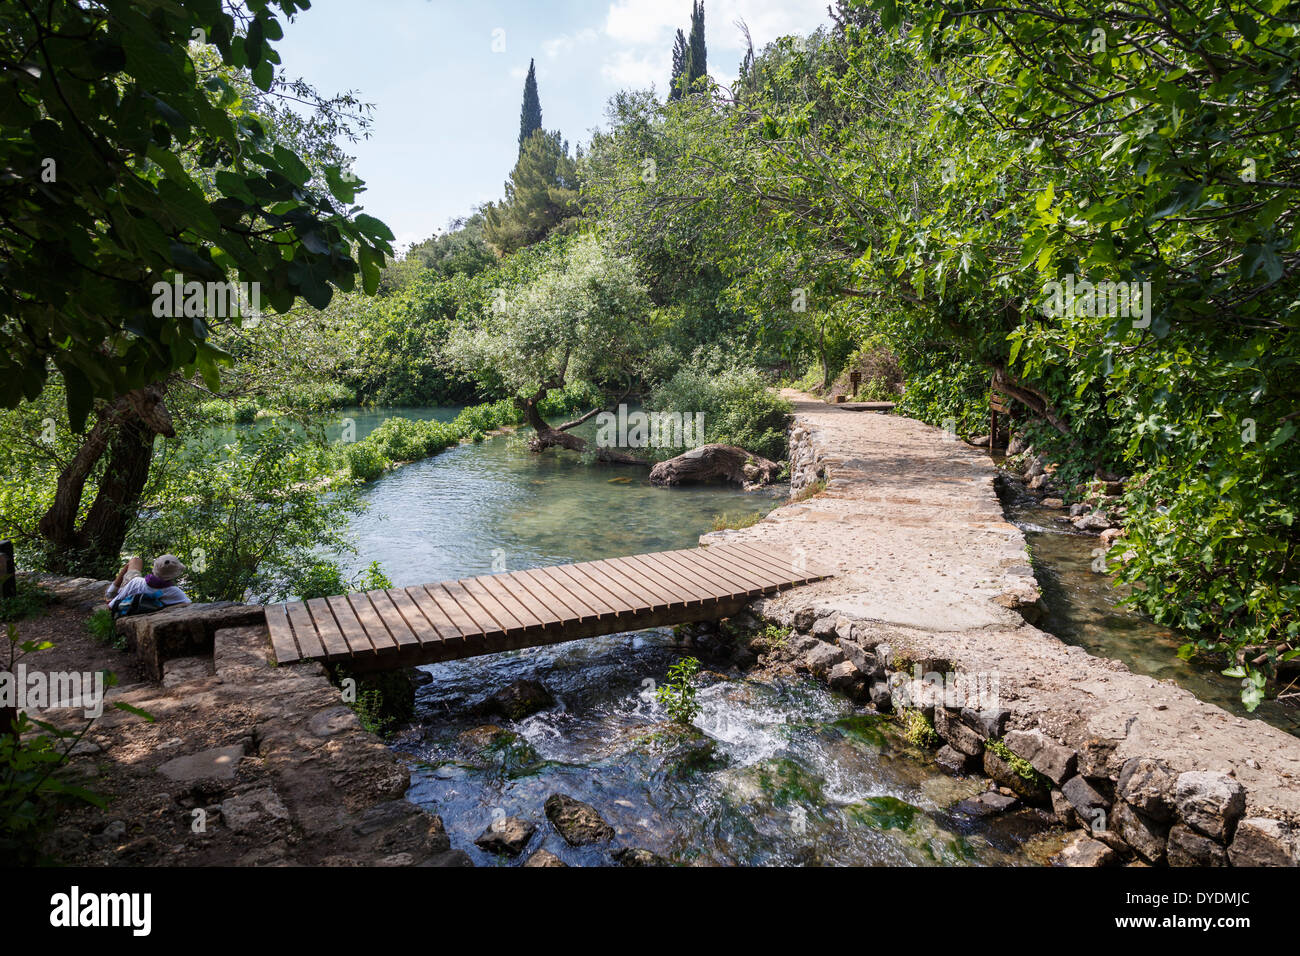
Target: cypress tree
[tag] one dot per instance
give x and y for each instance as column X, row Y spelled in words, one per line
column 698, row 62
column 530, row 114
column 681, row 58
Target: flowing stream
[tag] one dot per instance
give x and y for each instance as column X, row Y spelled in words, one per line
column 1083, row 608
column 768, row 773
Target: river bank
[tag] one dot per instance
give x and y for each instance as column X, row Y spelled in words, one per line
column 935, row 591
column 788, row 762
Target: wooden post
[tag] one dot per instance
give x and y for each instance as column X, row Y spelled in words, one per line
column 8, row 583
column 855, row 379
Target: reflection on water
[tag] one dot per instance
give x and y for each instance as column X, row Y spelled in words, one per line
column 1083, row 608
column 497, row 506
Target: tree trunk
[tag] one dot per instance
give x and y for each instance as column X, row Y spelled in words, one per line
column 125, row 429
column 547, row 436
column 711, row 463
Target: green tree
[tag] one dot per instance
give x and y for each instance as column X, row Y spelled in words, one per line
column 579, row 320
column 141, row 156
column 101, row 104
column 542, row 195
column 681, row 67
column 530, row 113
column 698, row 60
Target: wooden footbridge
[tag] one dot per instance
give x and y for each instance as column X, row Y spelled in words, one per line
column 424, row 624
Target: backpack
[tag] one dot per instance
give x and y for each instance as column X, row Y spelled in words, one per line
column 145, row 602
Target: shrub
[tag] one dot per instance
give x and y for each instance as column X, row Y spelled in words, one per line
column 365, row 461
column 406, row 440
column 103, row 628
column 739, row 408
column 251, row 520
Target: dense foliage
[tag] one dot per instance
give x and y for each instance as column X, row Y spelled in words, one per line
column 108, row 120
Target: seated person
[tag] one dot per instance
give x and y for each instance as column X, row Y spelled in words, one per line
column 131, row 580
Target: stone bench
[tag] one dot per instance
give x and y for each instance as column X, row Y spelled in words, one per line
column 183, row 631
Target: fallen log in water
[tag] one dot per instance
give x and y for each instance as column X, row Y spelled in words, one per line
column 710, row 463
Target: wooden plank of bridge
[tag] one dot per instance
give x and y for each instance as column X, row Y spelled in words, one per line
column 454, row 635
column 779, row 565
column 739, row 585
column 564, row 591
column 282, row 642
column 634, row 596
column 447, row 620
column 424, row 629
column 492, row 632
column 586, row 591
column 353, row 633
column 549, row 594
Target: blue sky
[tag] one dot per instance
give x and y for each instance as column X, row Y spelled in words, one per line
column 446, row 119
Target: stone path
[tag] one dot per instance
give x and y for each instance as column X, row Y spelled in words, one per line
column 245, row 763
column 929, row 567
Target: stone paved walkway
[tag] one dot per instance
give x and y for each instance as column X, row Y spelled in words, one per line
column 929, row 567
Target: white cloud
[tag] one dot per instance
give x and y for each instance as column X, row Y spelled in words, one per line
column 640, row 22
column 632, row 69
column 642, row 31
column 567, row 43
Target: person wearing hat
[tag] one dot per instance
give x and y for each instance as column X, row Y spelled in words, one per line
column 160, row 584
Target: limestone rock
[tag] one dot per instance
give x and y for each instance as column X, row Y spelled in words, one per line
column 1002, row 773
column 1146, row 836
column 544, row 858
column 845, row 678
column 1092, row 522
column 959, row 736
column 862, row 659
column 1260, row 841
column 219, row 763
column 1083, row 850
column 823, row 657
column 1053, row 760
column 508, row 837
column 519, row 699
column 990, row 722
column 577, row 822
column 247, row 810
column 636, row 856
column 1186, row 847
column 954, row 761
column 1210, row 802
column 824, row 629
column 987, row 804
column 1085, row 799
column 1148, row 785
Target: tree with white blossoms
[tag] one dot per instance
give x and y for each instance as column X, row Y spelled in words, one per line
column 582, row 319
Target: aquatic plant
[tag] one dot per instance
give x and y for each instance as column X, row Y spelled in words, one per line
column 677, row 695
